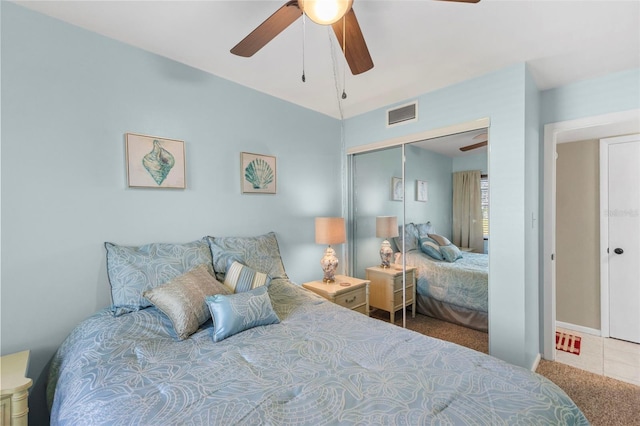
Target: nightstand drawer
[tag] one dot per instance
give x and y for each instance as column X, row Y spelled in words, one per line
column 351, row 293
column 397, row 296
column 352, row 299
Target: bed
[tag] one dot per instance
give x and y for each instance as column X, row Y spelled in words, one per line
column 454, row 289
column 319, row 363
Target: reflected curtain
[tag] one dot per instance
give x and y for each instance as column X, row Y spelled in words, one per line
column 467, row 210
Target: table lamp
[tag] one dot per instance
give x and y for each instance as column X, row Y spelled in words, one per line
column 330, row 230
column 386, row 227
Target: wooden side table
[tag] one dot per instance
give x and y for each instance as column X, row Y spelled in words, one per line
column 386, row 289
column 355, row 296
column 14, row 393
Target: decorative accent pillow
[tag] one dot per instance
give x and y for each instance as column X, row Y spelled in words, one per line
column 132, row 270
column 240, row 278
column 443, row 241
column 451, row 253
column 424, row 229
column 260, row 253
column 431, row 248
column 182, row 299
column 411, row 237
column 239, row 312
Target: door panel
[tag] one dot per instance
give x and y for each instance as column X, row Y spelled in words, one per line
column 624, row 240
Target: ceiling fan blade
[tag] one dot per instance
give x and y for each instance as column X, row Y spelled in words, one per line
column 357, row 53
column 474, row 146
column 266, row 31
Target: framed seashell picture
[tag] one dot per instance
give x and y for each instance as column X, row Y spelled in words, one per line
column 154, row 162
column 257, row 173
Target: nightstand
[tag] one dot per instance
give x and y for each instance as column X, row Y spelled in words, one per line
column 355, row 296
column 14, row 404
column 385, row 290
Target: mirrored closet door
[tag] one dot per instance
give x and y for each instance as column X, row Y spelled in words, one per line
column 451, row 283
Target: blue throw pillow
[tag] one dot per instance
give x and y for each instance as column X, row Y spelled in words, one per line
column 451, row 253
column 239, row 312
column 431, row 248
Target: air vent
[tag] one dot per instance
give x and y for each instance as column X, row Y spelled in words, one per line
column 403, row 114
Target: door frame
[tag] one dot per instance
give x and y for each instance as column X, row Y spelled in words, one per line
column 588, row 128
column 604, row 227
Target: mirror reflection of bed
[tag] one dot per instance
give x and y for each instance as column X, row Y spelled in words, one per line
column 451, row 287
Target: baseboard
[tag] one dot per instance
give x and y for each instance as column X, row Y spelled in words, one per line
column 582, row 329
column 536, row 361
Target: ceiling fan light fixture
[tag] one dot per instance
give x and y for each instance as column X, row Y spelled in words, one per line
column 325, row 12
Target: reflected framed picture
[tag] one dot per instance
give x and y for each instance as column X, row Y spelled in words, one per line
column 397, row 189
column 154, row 162
column 421, row 191
column 257, row 173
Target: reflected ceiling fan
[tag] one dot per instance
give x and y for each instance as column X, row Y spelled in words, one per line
column 337, row 13
column 483, row 139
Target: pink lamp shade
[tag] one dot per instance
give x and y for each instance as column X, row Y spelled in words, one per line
column 330, row 230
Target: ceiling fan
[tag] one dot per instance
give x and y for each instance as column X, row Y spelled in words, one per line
column 337, row 13
column 482, row 137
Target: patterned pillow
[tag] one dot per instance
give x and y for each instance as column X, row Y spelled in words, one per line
column 424, row 229
column 260, row 253
column 431, row 248
column 451, row 253
column 240, row 278
column 411, row 237
column 239, row 312
column 182, row 299
column 132, row 270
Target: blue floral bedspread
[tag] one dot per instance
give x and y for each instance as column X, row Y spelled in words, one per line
column 323, row 364
column 463, row 283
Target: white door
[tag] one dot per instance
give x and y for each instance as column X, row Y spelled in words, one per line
column 623, row 216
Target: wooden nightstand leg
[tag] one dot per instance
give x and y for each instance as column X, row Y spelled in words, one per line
column 392, row 317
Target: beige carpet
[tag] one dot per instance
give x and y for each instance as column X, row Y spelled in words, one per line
column 604, row 401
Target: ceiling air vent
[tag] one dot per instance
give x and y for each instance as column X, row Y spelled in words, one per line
column 403, row 114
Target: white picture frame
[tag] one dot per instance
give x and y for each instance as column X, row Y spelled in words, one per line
column 397, row 189
column 422, row 191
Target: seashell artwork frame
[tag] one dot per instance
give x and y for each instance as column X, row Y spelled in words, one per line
column 154, row 162
column 257, row 173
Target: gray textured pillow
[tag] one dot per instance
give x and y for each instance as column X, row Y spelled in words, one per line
column 133, row 270
column 260, row 253
column 183, row 299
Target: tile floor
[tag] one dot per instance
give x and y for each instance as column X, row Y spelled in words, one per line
column 608, row 357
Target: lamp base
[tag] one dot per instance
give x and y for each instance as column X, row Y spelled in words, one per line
column 385, row 254
column 329, row 263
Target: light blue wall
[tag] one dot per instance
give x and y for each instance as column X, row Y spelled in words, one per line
column 614, row 92
column 436, row 169
column 501, row 97
column 533, row 140
column 472, row 162
column 68, row 98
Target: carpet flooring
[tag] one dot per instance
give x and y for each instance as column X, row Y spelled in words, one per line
column 604, row 401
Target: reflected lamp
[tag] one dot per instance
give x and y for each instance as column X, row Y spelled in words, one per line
column 330, row 230
column 386, row 227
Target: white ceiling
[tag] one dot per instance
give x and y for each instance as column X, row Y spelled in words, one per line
column 417, row 46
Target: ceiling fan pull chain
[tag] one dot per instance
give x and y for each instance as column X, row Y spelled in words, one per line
column 344, row 50
column 304, row 33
